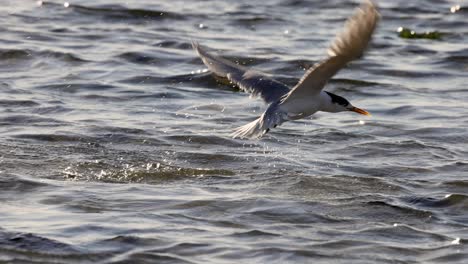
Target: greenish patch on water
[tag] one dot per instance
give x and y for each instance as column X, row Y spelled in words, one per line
column 410, row 34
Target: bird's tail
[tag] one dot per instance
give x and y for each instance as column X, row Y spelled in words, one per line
column 271, row 118
column 254, row 129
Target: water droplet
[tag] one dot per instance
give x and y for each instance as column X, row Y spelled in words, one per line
column 39, row 3
column 66, row 4
column 102, row 174
column 149, row 166
column 201, row 26
column 362, row 122
column 456, row 241
column 455, row 8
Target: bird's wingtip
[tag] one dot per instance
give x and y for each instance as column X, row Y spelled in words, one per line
column 195, row 45
column 357, row 32
column 372, row 5
column 199, row 49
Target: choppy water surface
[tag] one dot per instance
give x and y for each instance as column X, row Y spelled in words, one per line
column 114, row 141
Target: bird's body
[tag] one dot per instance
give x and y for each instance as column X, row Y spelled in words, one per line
column 306, row 97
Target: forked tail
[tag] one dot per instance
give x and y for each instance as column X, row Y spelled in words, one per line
column 270, row 119
column 254, row 129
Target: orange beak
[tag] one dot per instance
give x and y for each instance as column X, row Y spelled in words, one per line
column 360, row 111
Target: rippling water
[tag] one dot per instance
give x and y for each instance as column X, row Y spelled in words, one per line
column 114, row 142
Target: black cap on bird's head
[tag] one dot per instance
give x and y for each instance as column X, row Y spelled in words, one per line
column 336, row 99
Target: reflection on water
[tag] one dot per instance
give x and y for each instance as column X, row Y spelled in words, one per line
column 115, row 143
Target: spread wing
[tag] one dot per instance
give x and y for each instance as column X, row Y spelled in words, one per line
column 347, row 46
column 250, row 81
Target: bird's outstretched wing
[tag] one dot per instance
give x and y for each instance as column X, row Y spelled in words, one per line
column 347, row 46
column 250, row 81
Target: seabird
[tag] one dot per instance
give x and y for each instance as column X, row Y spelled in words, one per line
column 307, row 96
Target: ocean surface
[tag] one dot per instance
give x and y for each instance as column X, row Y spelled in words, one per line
column 115, row 144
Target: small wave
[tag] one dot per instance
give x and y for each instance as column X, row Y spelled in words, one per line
column 450, row 134
column 162, row 95
column 52, row 110
column 456, row 59
column 205, row 140
column 400, row 210
column 117, row 12
column 399, row 148
column 205, row 80
column 139, row 58
column 414, row 8
column 32, row 248
column 28, row 242
column 173, row 44
column 19, row 184
column 154, row 256
column 256, row 20
column 129, row 240
column 29, row 120
column 222, row 159
column 254, row 234
column 336, row 135
column 62, row 56
column 55, row 137
column 148, row 79
column 152, row 172
column 417, row 50
column 18, row 103
column 27, row 54
column 104, row 98
column 401, row 110
column 336, row 188
column 459, row 201
column 410, row 73
column 76, row 87
column 353, row 82
column 458, row 257
column 460, row 183
column 122, row 13
column 15, row 54
column 157, row 56
column 118, row 130
column 454, row 168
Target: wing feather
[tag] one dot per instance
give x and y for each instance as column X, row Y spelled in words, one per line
column 259, row 84
column 350, row 44
column 250, row 81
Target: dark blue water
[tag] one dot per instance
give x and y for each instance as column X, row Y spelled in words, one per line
column 115, row 142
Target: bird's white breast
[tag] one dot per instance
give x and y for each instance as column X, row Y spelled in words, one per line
column 305, row 106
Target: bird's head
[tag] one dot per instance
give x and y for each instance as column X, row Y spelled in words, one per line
column 340, row 104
